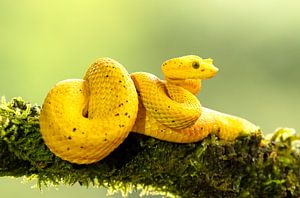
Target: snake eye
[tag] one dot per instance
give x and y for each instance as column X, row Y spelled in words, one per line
column 196, row 65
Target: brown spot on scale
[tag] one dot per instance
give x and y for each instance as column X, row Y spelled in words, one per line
column 218, row 131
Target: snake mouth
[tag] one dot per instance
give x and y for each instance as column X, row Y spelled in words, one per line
column 190, row 78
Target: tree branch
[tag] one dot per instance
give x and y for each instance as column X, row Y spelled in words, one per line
column 250, row 166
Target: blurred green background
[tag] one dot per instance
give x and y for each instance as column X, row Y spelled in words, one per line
column 255, row 44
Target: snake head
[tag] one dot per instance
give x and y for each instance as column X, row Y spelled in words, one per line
column 189, row 67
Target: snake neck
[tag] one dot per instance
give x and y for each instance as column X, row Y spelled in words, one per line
column 192, row 85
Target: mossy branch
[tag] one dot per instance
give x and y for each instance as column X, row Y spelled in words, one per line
column 250, row 166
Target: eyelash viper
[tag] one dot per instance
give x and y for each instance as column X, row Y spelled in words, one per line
column 84, row 120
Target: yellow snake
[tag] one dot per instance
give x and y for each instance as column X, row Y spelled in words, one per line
column 84, row 120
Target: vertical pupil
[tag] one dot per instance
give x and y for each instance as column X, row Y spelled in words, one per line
column 196, row 65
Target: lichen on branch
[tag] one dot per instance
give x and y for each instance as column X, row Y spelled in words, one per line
column 250, row 166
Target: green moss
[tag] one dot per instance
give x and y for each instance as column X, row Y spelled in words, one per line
column 250, row 166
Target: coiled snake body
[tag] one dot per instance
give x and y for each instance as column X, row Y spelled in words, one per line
column 82, row 121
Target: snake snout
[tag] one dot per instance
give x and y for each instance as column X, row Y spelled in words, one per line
column 207, row 70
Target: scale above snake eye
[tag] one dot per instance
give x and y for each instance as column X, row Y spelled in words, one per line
column 196, row 65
